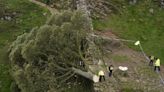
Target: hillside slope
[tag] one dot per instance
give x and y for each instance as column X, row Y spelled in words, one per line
column 19, row 17
column 143, row 21
column 140, row 77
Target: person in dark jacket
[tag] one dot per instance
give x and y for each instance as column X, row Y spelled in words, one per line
column 110, row 68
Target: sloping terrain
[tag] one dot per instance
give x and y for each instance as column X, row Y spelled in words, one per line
column 17, row 17
column 143, row 21
column 140, row 77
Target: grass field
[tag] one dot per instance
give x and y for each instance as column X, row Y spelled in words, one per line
column 137, row 23
column 28, row 16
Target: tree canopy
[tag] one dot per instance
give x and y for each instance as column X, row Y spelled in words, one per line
column 42, row 59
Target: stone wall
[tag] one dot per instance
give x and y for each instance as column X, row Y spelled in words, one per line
column 82, row 6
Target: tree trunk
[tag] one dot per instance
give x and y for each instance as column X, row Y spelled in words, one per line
column 82, row 73
column 87, row 75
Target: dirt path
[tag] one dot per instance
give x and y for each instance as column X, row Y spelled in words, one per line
column 138, row 69
column 52, row 10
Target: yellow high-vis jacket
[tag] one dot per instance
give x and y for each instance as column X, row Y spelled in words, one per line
column 151, row 57
column 157, row 62
column 101, row 73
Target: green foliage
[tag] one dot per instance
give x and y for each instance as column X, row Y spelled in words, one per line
column 14, row 87
column 42, row 59
column 28, row 15
column 5, row 79
column 2, row 8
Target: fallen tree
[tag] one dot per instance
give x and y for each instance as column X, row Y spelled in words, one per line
column 42, row 60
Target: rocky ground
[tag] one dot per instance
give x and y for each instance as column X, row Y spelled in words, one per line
column 139, row 78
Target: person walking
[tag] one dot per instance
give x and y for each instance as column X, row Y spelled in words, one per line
column 101, row 75
column 152, row 58
column 110, row 68
column 157, row 64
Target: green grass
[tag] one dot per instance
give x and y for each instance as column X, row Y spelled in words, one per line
column 146, row 71
column 28, row 16
column 137, row 23
column 5, row 78
column 119, row 58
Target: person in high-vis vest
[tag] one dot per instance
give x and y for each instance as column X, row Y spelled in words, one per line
column 101, row 75
column 110, row 70
column 157, row 64
column 152, row 58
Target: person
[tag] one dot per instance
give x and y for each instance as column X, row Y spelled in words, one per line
column 101, row 75
column 151, row 60
column 157, row 64
column 110, row 70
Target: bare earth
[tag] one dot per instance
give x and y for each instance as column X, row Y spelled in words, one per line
column 140, row 75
